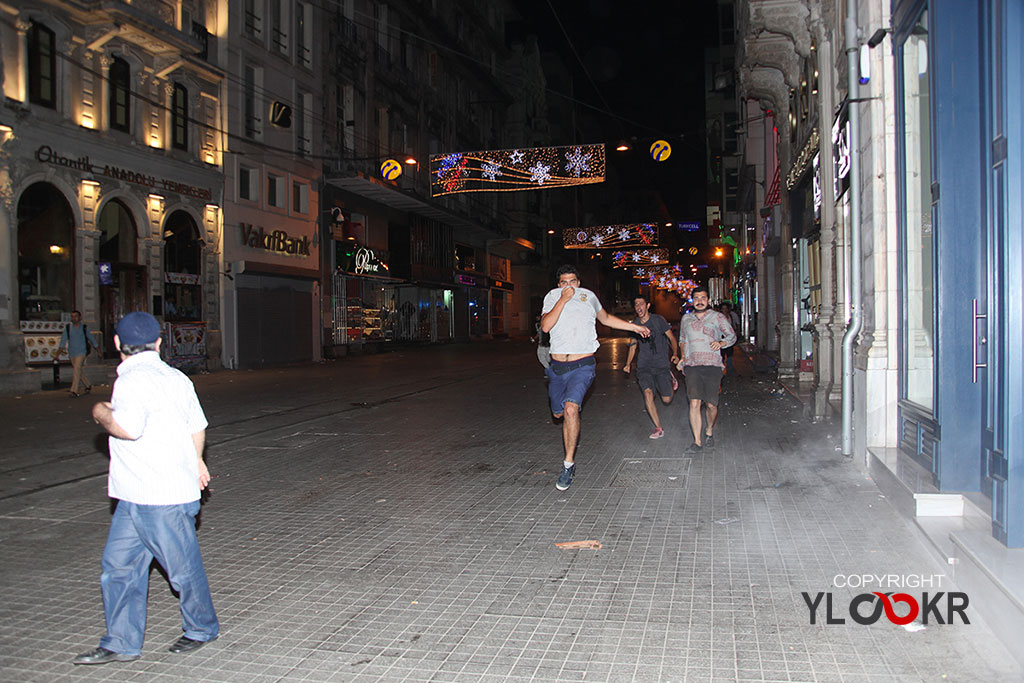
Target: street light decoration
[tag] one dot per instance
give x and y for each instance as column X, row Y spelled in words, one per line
column 611, row 236
column 639, row 257
column 508, row 170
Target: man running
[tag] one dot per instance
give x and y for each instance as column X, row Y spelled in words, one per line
column 569, row 314
column 702, row 335
column 653, row 365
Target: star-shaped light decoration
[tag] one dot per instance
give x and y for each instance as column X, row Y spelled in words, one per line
column 516, row 157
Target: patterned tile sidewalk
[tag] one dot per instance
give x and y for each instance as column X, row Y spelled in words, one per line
column 394, row 518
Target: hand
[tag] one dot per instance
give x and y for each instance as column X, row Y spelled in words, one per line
column 674, row 360
column 625, row 369
column 679, row 366
column 642, row 331
column 716, row 346
column 204, row 475
column 568, row 293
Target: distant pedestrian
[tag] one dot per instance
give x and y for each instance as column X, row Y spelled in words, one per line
column 157, row 435
column 653, row 364
column 702, row 335
column 734, row 321
column 79, row 343
column 569, row 314
column 543, row 345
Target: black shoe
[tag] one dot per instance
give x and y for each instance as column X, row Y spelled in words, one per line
column 185, row 644
column 709, row 441
column 695, row 448
column 102, row 655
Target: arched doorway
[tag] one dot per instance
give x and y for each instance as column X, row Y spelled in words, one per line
column 183, row 251
column 122, row 279
column 46, row 254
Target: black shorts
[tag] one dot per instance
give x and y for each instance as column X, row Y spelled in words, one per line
column 655, row 379
column 703, row 382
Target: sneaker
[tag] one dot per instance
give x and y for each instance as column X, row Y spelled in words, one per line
column 695, row 448
column 709, row 441
column 565, row 478
column 657, row 433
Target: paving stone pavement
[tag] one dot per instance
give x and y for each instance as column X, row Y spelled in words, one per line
column 394, row 518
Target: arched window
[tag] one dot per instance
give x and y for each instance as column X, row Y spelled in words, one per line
column 119, row 105
column 42, row 66
column 46, row 283
column 183, row 250
column 179, row 117
column 117, row 234
column 123, row 283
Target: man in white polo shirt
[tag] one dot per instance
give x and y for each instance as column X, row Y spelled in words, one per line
column 157, row 435
column 568, row 314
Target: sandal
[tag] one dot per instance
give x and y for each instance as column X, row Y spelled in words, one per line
column 87, row 389
column 74, row 394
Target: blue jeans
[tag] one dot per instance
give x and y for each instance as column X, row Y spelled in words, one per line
column 568, row 382
column 139, row 533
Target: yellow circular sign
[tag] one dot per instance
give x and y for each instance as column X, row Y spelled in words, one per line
column 390, row 169
column 693, row 251
column 660, row 150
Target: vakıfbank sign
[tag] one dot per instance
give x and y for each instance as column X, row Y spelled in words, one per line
column 276, row 241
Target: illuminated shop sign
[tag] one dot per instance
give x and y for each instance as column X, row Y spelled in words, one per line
column 277, row 241
column 691, row 226
column 46, row 155
column 841, row 152
column 501, row 284
column 467, row 280
column 352, row 258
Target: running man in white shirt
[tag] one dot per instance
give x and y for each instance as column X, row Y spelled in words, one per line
column 569, row 314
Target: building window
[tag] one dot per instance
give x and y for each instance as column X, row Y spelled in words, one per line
column 254, row 18
column 465, row 258
column 300, row 198
column 275, row 190
column 279, row 25
column 179, row 117
column 250, row 104
column 42, row 66
column 918, row 256
column 120, row 89
column 304, row 34
column 247, row 183
column 304, row 124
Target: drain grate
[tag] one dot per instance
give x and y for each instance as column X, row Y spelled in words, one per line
column 652, row 473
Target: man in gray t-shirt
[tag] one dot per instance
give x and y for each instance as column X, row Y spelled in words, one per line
column 653, row 370
column 569, row 314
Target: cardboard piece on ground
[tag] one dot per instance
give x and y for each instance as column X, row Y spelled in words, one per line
column 590, row 545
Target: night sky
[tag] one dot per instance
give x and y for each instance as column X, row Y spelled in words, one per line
column 638, row 73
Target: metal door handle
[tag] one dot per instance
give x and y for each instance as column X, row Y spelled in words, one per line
column 974, row 341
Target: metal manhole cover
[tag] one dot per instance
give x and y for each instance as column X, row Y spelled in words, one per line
column 651, row 473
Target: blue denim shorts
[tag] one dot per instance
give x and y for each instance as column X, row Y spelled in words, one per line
column 568, row 382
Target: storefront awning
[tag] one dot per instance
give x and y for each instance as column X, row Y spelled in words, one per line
column 377, row 191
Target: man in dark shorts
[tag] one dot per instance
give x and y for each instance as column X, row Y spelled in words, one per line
column 702, row 335
column 653, row 365
column 569, row 314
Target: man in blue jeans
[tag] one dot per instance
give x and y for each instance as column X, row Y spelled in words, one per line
column 569, row 313
column 157, row 435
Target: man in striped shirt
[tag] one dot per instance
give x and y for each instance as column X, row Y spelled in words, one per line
column 157, row 435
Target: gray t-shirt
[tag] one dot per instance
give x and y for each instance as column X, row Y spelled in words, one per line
column 653, row 351
column 575, row 331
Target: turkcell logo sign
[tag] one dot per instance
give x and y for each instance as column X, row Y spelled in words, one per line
column 692, row 226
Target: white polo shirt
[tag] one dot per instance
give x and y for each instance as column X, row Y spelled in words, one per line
column 575, row 331
column 158, row 404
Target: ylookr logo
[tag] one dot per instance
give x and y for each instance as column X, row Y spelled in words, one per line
column 941, row 607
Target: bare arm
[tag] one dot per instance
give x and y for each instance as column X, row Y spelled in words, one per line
column 675, row 346
column 630, row 356
column 611, row 321
column 199, row 440
column 103, row 414
column 549, row 319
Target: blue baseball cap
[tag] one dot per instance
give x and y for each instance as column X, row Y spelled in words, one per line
column 138, row 328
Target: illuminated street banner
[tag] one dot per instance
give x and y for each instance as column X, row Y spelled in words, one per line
column 644, row 273
column 506, row 170
column 640, row 257
column 604, row 236
column 667, row 277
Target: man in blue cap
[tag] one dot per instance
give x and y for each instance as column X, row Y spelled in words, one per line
column 157, row 435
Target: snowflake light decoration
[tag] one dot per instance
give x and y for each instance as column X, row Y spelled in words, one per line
column 517, row 169
column 620, row 235
column 633, row 257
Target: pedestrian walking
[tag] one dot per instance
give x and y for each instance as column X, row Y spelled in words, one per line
column 734, row 321
column 157, row 434
column 702, row 335
column 79, row 343
column 653, row 364
column 569, row 314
